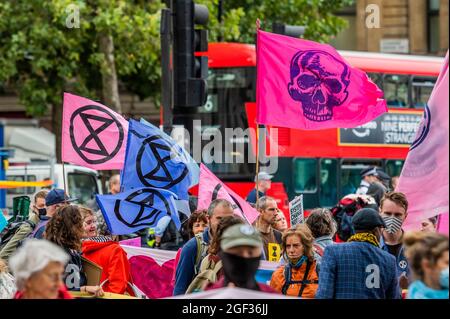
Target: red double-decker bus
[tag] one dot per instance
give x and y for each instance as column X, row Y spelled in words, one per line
column 322, row 165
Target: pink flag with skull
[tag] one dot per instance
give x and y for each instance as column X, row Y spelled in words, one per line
column 307, row 85
column 424, row 178
column 92, row 134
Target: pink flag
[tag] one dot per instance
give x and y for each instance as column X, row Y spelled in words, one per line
column 424, row 177
column 306, row 85
column 135, row 242
column 92, row 134
column 210, row 188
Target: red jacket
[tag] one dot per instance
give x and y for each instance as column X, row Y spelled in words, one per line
column 113, row 259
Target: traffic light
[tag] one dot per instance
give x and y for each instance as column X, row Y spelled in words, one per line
column 289, row 30
column 190, row 72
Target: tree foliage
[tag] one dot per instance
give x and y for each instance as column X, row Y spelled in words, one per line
column 41, row 57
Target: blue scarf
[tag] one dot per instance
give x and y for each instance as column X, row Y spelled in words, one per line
column 418, row 290
column 299, row 262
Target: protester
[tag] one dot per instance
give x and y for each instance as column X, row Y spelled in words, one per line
column 344, row 211
column 323, row 227
column 394, row 210
column 429, row 224
column 114, row 184
column 263, row 183
column 298, row 277
column 106, row 253
column 241, row 248
column 267, row 208
column 376, row 191
column 280, row 222
column 196, row 248
column 7, row 285
column 38, row 268
column 359, row 269
column 26, row 228
column 428, row 256
column 211, row 266
column 195, row 224
column 66, row 230
column 54, row 199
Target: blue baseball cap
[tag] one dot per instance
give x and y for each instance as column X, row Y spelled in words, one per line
column 57, row 196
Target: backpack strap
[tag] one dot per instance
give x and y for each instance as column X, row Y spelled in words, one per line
column 305, row 277
column 287, row 278
column 200, row 252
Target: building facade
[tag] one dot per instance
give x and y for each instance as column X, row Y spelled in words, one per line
column 396, row 26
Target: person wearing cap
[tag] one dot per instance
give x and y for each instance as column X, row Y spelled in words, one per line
column 54, row 199
column 359, row 269
column 241, row 248
column 368, row 176
column 298, row 277
column 263, row 183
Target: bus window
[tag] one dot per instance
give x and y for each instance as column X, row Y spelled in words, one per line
column 394, row 167
column 21, row 190
column 82, row 186
column 305, row 177
column 328, row 182
column 396, row 90
column 421, row 90
column 376, row 78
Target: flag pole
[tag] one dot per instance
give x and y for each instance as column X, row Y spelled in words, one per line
column 64, row 179
column 258, row 26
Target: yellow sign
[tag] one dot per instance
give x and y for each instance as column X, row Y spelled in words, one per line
column 274, row 251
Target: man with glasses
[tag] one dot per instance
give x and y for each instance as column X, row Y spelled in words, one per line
column 54, row 199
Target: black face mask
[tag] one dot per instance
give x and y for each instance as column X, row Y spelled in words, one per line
column 240, row 271
column 42, row 211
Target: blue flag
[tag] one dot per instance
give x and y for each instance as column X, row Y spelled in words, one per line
column 130, row 211
column 194, row 169
column 152, row 160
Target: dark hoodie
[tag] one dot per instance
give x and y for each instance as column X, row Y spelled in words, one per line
column 113, row 259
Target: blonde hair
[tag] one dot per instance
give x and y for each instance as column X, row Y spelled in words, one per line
column 306, row 237
column 85, row 212
column 421, row 245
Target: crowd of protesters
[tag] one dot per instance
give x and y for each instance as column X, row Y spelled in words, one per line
column 358, row 249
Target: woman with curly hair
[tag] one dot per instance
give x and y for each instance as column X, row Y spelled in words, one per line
column 427, row 254
column 66, row 230
column 298, row 277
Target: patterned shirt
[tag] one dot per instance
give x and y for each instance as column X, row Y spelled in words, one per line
column 357, row 270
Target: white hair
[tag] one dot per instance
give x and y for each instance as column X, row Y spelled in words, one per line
column 32, row 257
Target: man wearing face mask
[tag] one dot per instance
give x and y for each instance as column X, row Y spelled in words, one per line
column 37, row 209
column 54, row 199
column 393, row 210
column 241, row 248
column 359, row 269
